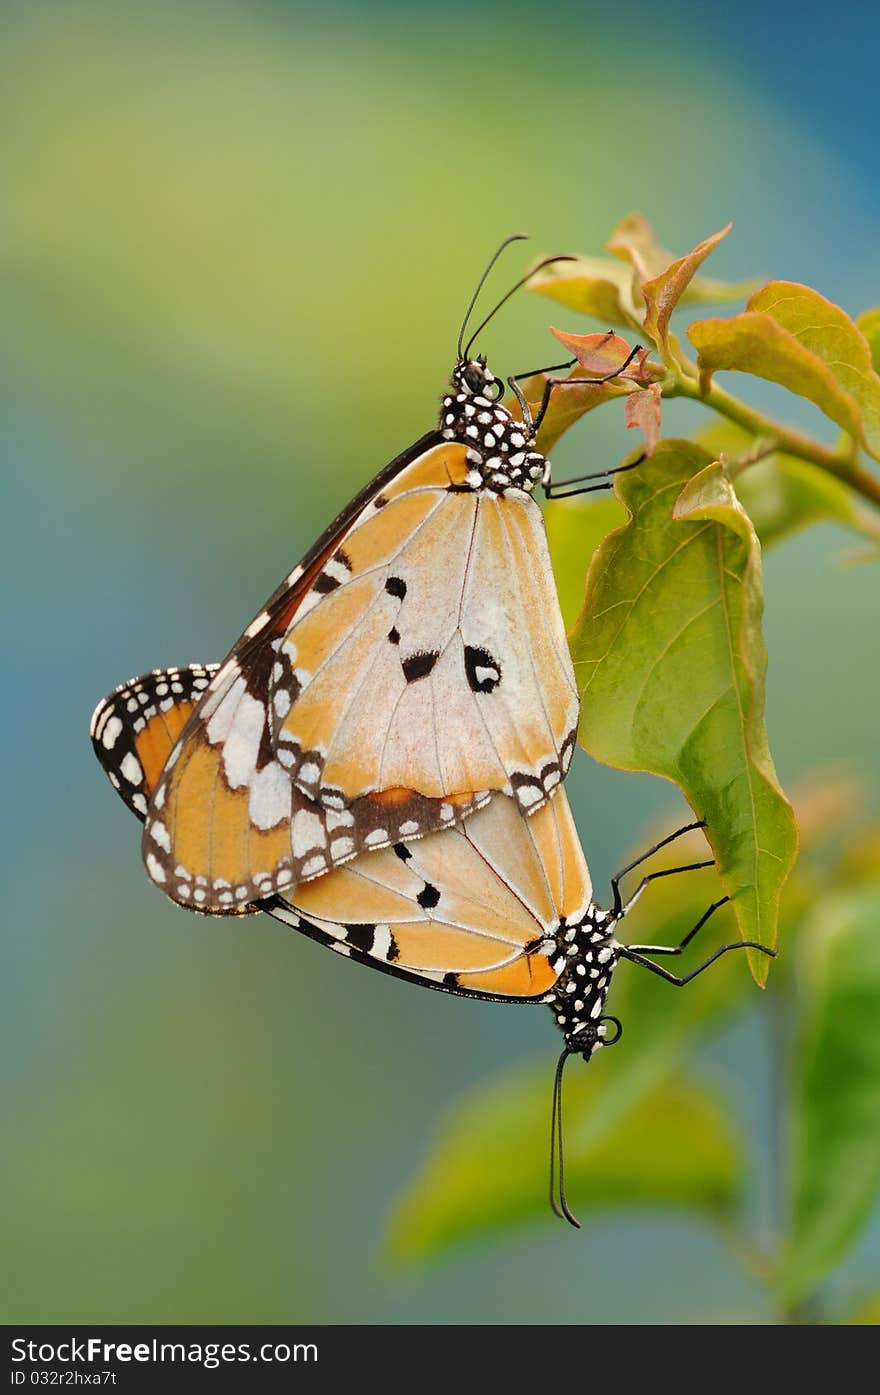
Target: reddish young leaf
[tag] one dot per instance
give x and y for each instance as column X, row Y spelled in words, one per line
column 661, row 280
column 643, row 409
column 663, row 292
column 601, row 354
column 611, row 292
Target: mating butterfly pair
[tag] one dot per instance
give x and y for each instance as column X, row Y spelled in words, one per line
column 378, row 760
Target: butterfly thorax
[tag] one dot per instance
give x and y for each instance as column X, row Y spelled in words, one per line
column 578, row 1001
column 500, row 449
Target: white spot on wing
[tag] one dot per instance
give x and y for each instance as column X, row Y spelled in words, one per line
column 131, row 769
column 381, row 942
column 258, row 624
column 155, row 868
column 307, row 833
column 110, row 733
column 269, row 795
column 159, row 833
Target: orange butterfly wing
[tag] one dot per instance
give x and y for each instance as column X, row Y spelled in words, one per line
column 431, row 653
column 479, row 910
column 226, row 825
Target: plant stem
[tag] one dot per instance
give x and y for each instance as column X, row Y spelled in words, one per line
column 838, row 462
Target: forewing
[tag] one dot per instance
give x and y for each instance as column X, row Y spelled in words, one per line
column 225, row 824
column 431, row 654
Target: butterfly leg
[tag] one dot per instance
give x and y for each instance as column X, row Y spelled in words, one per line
column 631, row 953
column 679, row 948
column 618, row 907
column 516, row 378
column 552, row 383
column 554, row 488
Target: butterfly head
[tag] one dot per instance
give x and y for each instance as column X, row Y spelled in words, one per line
column 590, row 955
column 474, row 378
column 500, row 449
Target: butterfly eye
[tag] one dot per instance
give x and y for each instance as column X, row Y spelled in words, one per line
column 474, row 377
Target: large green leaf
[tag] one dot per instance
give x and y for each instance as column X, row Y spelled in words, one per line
column 789, row 334
column 574, row 531
column 487, row 1172
column 835, row 1133
column 670, row 660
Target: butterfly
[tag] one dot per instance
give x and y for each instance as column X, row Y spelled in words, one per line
column 498, row 907
column 411, row 666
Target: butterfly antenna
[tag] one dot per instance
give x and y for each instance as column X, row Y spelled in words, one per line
column 514, row 237
column 557, row 1161
column 548, row 261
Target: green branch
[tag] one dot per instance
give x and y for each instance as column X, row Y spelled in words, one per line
column 835, row 461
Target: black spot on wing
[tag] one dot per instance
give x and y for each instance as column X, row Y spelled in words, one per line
column 402, row 851
column 324, row 582
column 418, row 666
column 342, row 557
column 396, row 586
column 394, row 635
column 361, row 936
column 483, row 672
column 428, row 897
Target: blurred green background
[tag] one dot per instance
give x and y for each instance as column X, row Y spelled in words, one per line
column 236, row 243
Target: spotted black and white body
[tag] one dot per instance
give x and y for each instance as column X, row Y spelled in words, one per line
column 578, row 1000
column 500, row 450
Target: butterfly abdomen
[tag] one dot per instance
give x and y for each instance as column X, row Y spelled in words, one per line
column 579, row 997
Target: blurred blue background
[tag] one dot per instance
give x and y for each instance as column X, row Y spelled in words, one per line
column 237, row 240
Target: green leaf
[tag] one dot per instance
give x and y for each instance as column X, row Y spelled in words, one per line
column 574, row 531
column 487, row 1173
column 789, row 334
column 609, row 291
column 670, row 660
column 835, row 1136
column 595, row 286
column 869, row 323
column 782, row 494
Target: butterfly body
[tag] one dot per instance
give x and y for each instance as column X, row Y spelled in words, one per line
column 500, row 448
column 578, row 1000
